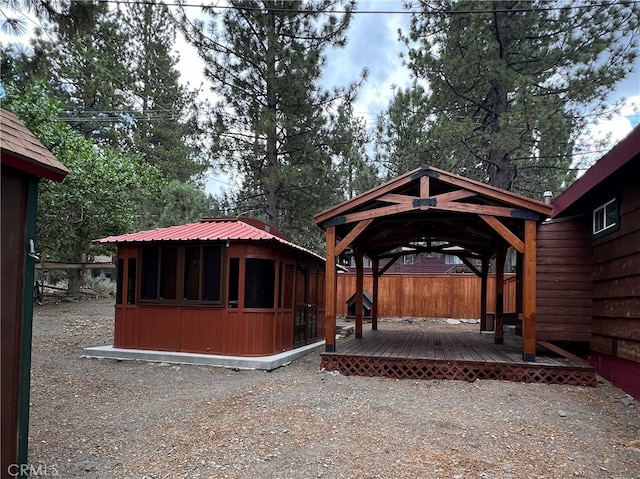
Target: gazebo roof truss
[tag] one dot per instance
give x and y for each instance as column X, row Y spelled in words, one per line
column 431, row 210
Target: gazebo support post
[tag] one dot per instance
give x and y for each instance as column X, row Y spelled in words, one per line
column 374, row 304
column 498, row 335
column 331, row 283
column 529, row 293
column 359, row 288
column 484, row 277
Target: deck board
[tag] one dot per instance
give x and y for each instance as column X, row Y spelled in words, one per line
column 451, row 355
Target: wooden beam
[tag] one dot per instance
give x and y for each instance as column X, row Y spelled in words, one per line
column 529, row 293
column 444, row 197
column 359, row 294
column 485, row 210
column 455, row 195
column 496, row 193
column 375, row 264
column 498, row 335
column 505, row 232
column 352, row 235
column 361, row 200
column 375, row 213
column 484, row 280
column 470, row 265
column 331, row 290
column 562, row 352
column 424, row 186
column 389, row 264
column 398, row 199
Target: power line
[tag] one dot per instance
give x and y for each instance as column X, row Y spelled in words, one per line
column 178, row 3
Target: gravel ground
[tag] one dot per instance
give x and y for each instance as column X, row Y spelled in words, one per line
column 95, row 418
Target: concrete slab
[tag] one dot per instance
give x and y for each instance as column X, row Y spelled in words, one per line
column 266, row 363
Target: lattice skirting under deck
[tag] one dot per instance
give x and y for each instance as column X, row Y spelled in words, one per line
column 399, row 368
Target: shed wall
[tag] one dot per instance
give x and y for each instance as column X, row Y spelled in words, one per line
column 217, row 329
column 14, row 212
column 564, row 288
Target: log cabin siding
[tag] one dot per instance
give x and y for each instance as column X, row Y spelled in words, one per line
column 564, row 288
column 616, row 282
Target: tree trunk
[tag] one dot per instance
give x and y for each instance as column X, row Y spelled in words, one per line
column 270, row 181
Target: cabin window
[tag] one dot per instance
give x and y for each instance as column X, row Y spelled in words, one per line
column 605, row 219
column 177, row 273
column 168, row 272
column 452, row 259
column 366, row 262
column 149, row 277
column 212, row 273
column 192, row 273
column 120, row 278
column 260, row 281
column 234, row 281
column 131, row 281
column 407, row 259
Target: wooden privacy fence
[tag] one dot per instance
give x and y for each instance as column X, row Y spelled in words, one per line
column 432, row 296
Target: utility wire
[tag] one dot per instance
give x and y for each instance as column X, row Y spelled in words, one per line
column 178, row 3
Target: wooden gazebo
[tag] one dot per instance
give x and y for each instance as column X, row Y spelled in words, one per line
column 431, row 210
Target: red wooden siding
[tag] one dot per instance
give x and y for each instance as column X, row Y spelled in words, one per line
column 563, row 302
column 14, row 218
column 433, row 296
column 219, row 329
column 616, row 282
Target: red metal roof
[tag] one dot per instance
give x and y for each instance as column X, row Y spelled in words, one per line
column 210, row 229
column 623, row 152
column 23, row 151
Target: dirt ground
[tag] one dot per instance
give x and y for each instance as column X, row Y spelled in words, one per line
column 95, row 418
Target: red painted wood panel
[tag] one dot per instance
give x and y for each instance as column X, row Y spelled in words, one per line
column 158, row 328
column 202, row 330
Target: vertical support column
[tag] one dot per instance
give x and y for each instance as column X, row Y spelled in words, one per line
column 375, row 265
column 331, row 280
column 519, row 275
column 498, row 336
column 529, row 293
column 484, row 277
column 359, row 288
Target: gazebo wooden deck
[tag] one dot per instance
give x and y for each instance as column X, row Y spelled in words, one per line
column 463, row 355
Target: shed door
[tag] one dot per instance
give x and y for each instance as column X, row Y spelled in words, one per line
column 306, row 310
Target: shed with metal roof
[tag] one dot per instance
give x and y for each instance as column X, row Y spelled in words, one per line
column 221, row 286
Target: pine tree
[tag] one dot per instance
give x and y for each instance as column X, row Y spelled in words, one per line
column 511, row 84
column 265, row 59
column 165, row 125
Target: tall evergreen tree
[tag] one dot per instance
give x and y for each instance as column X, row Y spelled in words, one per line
column 265, row 59
column 512, row 83
column 165, row 126
column 356, row 170
column 82, row 56
column 116, row 74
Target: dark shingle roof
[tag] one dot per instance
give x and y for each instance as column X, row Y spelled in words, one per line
column 22, row 150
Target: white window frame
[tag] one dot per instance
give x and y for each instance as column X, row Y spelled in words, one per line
column 452, row 259
column 407, row 259
column 600, row 214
